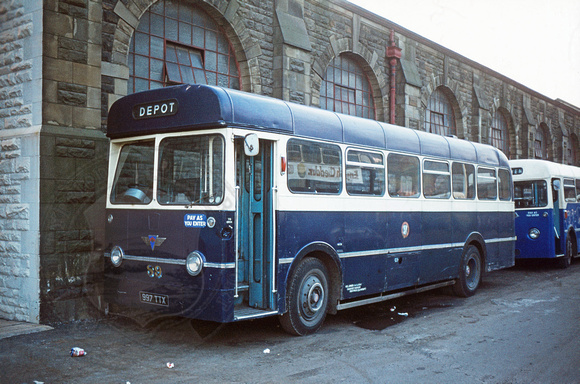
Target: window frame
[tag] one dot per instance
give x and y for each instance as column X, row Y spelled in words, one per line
column 196, row 30
column 465, row 182
column 439, row 105
column 567, row 184
column 301, row 166
column 333, row 88
column 415, row 187
column 437, row 174
column 480, row 185
column 368, row 166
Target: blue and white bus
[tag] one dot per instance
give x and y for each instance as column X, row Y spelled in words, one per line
column 224, row 206
column 547, row 199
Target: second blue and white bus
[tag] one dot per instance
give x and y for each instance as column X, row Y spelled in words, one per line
column 225, row 206
column 547, row 200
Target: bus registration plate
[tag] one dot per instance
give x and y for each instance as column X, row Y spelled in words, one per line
column 153, row 298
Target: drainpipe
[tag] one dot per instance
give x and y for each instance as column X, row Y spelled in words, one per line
column 393, row 54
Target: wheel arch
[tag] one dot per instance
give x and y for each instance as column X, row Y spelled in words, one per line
column 477, row 240
column 329, row 257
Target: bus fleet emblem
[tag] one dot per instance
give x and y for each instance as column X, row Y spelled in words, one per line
column 153, row 241
column 405, row 229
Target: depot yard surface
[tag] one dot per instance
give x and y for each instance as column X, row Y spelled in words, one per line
column 521, row 327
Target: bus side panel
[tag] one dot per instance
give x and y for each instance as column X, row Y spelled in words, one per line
column 438, row 262
column 364, row 275
column 403, row 242
column 487, row 225
column 296, row 230
column 571, row 219
column 574, row 217
column 542, row 247
column 160, row 267
column 505, row 249
column 463, row 223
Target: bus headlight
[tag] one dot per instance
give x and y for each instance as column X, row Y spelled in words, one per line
column 534, row 233
column 117, row 255
column 194, row 263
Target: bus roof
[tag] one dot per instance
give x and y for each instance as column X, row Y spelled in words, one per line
column 193, row 106
column 543, row 169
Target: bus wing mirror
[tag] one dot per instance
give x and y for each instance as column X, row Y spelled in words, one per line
column 556, row 184
column 251, row 145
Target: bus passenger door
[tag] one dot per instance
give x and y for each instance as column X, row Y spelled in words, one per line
column 255, row 220
column 556, row 186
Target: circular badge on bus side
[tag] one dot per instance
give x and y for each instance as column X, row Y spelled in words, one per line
column 405, row 229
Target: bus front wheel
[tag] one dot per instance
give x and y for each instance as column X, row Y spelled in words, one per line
column 566, row 261
column 307, row 298
column 469, row 274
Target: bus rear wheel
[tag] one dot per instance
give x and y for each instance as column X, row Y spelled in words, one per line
column 307, row 298
column 469, row 273
column 566, row 261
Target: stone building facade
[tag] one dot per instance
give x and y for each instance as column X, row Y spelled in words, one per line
column 64, row 62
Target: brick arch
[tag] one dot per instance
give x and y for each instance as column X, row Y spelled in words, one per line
column 245, row 47
column 368, row 60
column 451, row 90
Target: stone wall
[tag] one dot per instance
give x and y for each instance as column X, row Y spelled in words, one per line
column 20, row 94
column 73, row 162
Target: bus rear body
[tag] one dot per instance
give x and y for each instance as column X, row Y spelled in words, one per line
column 547, row 201
column 227, row 206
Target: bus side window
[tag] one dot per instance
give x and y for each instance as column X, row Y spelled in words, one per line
column 365, row 173
column 463, row 181
column 578, row 190
column 436, row 180
column 314, row 167
column 403, row 175
column 569, row 190
column 486, row 184
column 504, row 184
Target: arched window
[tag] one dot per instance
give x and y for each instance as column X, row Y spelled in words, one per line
column 177, row 43
column 499, row 133
column 439, row 116
column 346, row 88
column 540, row 145
column 574, row 145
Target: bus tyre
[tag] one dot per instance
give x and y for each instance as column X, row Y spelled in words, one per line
column 567, row 259
column 307, row 299
column 469, row 273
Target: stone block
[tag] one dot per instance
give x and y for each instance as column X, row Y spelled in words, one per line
column 71, row 94
column 94, row 55
column 86, row 75
column 57, row 114
column 57, row 70
column 87, row 118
